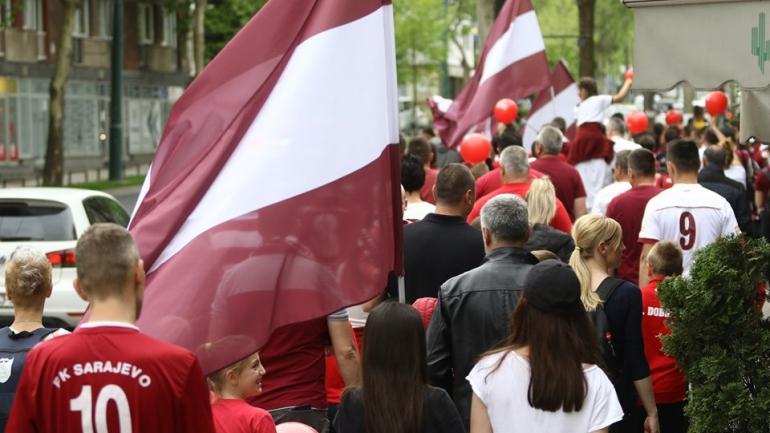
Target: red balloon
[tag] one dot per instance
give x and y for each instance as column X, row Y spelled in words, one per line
column 506, row 111
column 294, row 427
column 637, row 122
column 630, row 74
column 674, row 117
column 716, row 103
column 475, row 148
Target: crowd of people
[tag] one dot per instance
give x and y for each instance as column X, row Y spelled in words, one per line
column 528, row 302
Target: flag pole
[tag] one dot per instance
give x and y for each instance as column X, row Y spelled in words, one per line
column 401, row 290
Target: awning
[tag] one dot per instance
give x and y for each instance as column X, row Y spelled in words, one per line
column 706, row 43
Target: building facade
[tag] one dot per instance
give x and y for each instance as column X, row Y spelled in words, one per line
column 155, row 74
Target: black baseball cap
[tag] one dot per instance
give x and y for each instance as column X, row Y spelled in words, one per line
column 551, row 286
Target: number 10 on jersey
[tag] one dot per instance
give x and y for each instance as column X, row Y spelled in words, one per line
column 96, row 415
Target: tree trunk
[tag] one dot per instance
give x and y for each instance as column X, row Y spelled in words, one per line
column 199, row 35
column 183, row 19
column 688, row 96
column 586, row 12
column 53, row 170
column 485, row 12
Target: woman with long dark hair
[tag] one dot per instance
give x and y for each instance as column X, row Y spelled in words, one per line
column 394, row 395
column 545, row 378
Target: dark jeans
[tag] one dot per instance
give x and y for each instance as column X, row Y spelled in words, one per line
column 307, row 415
column 671, row 418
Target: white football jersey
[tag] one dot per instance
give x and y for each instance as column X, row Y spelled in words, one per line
column 689, row 215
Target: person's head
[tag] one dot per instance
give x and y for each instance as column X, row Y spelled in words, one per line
column 504, row 222
column 665, row 259
column 427, row 133
column 28, row 279
column 242, row 379
column 412, row 173
column 550, row 140
column 551, row 322
column 421, row 149
column 697, row 112
column 514, row 164
column 541, row 201
column 599, row 239
column 509, row 137
column 616, row 127
column 672, row 133
column 621, row 166
column 394, row 369
column 647, row 141
column 587, row 88
column 641, row 167
column 560, row 124
column 455, row 188
column 108, row 266
column 682, row 159
column 715, row 155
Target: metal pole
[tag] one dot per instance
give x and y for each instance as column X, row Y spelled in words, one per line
column 116, row 95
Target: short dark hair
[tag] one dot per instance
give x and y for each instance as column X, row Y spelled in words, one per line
column 684, row 155
column 559, row 123
column 621, row 159
column 420, row 149
column 428, row 131
column 509, row 137
column 647, row 141
column 672, row 133
column 711, row 137
column 589, row 85
column 642, row 162
column 665, row 258
column 412, row 173
column 715, row 154
column 452, row 182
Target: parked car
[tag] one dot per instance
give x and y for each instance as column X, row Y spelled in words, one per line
column 52, row 220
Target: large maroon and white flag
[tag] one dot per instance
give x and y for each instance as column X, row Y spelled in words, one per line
column 560, row 99
column 512, row 65
column 274, row 195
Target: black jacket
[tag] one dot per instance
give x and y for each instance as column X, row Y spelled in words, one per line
column 543, row 237
column 713, row 178
column 472, row 316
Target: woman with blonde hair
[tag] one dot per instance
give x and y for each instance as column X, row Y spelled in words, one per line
column 598, row 251
column 541, row 203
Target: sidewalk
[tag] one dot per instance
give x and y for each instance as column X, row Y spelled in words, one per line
column 74, row 177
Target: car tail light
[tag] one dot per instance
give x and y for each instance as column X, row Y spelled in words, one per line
column 63, row 258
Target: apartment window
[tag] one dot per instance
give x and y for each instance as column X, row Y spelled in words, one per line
column 105, row 12
column 33, row 15
column 169, row 28
column 81, row 20
column 146, row 24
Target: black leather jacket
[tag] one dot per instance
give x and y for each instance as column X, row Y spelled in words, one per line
column 472, row 316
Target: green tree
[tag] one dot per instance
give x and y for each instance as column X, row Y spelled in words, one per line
column 719, row 337
column 224, row 18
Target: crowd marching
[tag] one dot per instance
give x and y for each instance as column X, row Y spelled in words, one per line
column 533, row 281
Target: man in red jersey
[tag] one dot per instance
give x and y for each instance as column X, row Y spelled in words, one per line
column 107, row 376
column 565, row 178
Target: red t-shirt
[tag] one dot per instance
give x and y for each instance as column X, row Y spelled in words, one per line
column 628, row 209
column 426, row 192
column 493, row 180
column 114, row 378
column 565, row 178
column 762, row 181
column 560, row 221
column 663, row 181
column 668, row 382
column 335, row 385
column 237, row 416
column 294, row 361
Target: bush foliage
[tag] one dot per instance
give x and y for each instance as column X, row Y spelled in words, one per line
column 719, row 337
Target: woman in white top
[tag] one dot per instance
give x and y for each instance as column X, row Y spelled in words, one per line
column 545, row 379
column 412, row 179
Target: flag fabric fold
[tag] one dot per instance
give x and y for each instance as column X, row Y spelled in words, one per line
column 273, row 197
column 560, row 99
column 512, row 65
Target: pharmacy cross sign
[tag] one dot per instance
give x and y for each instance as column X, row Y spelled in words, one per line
column 760, row 47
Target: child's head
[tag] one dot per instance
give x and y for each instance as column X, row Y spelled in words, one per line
column 665, row 258
column 240, row 380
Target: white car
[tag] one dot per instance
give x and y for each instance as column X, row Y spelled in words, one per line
column 52, row 220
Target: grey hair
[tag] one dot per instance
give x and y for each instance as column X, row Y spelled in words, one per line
column 506, row 218
column 514, row 161
column 27, row 273
column 617, row 125
column 551, row 139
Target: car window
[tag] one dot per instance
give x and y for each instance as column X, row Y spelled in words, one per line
column 105, row 210
column 35, row 220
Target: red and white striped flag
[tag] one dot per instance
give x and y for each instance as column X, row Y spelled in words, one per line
column 560, row 99
column 274, row 195
column 512, row 65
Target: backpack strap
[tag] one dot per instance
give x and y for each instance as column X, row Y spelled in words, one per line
column 607, row 287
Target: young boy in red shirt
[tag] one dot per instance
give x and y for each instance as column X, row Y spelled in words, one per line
column 668, row 382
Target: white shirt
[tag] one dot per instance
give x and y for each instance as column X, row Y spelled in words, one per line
column 417, row 211
column 622, row 144
column 592, row 109
column 504, row 393
column 689, row 215
column 605, row 196
column 595, row 174
column 737, row 173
